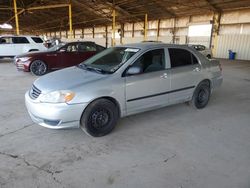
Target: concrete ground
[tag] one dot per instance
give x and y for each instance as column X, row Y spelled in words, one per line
column 175, row 147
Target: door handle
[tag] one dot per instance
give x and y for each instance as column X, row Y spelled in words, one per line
column 165, row 75
column 196, row 69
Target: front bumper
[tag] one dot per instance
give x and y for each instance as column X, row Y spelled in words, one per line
column 22, row 65
column 54, row 116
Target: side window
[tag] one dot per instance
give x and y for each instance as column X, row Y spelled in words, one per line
column 82, row 47
column 37, row 39
column 71, row 48
column 6, row 40
column 196, row 47
column 202, row 48
column 179, row 57
column 151, row 61
column 90, row 47
column 86, row 47
column 100, row 48
column 20, row 40
column 199, row 47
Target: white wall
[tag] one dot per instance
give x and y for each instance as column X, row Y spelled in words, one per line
column 234, row 32
column 199, row 40
column 237, row 43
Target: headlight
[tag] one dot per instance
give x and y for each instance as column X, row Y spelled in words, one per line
column 62, row 96
column 24, row 58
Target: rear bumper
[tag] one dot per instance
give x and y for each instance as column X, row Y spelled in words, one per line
column 217, row 82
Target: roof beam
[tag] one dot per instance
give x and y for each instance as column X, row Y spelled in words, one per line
column 47, row 7
column 61, row 19
column 212, row 6
column 38, row 8
column 164, row 8
column 119, row 9
column 7, row 8
column 186, row 4
column 92, row 10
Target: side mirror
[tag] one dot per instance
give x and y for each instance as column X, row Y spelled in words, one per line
column 134, row 70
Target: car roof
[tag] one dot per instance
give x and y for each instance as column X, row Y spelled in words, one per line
column 146, row 45
column 196, row 45
column 19, row 36
column 80, row 42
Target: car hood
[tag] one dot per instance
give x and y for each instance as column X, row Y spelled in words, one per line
column 67, row 79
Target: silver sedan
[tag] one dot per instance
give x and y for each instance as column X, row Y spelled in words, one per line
column 121, row 81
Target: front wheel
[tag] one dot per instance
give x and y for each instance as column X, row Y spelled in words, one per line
column 99, row 118
column 201, row 95
column 38, row 68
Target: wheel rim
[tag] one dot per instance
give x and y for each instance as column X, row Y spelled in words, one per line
column 202, row 97
column 100, row 118
column 38, row 68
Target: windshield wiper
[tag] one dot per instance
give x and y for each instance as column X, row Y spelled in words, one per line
column 82, row 66
column 86, row 67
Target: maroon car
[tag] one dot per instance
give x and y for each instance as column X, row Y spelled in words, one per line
column 57, row 57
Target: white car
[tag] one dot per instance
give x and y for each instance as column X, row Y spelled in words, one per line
column 11, row 45
column 203, row 49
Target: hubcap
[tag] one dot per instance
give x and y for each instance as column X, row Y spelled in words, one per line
column 39, row 68
column 100, row 118
column 202, row 96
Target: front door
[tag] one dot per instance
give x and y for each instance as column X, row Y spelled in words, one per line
column 70, row 56
column 150, row 88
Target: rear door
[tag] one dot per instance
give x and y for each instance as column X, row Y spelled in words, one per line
column 186, row 73
column 150, row 88
column 21, row 45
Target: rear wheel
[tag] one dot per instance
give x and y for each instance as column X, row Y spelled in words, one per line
column 99, row 118
column 38, row 68
column 201, row 95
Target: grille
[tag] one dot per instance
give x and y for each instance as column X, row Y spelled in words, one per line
column 19, row 66
column 34, row 92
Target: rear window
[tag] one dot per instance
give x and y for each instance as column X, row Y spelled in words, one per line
column 37, row 39
column 100, row 48
column 20, row 40
column 199, row 47
column 90, row 47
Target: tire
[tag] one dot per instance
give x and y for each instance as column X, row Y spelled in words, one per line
column 99, row 118
column 38, row 68
column 201, row 95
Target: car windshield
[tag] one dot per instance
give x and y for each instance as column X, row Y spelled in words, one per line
column 109, row 60
column 56, row 47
